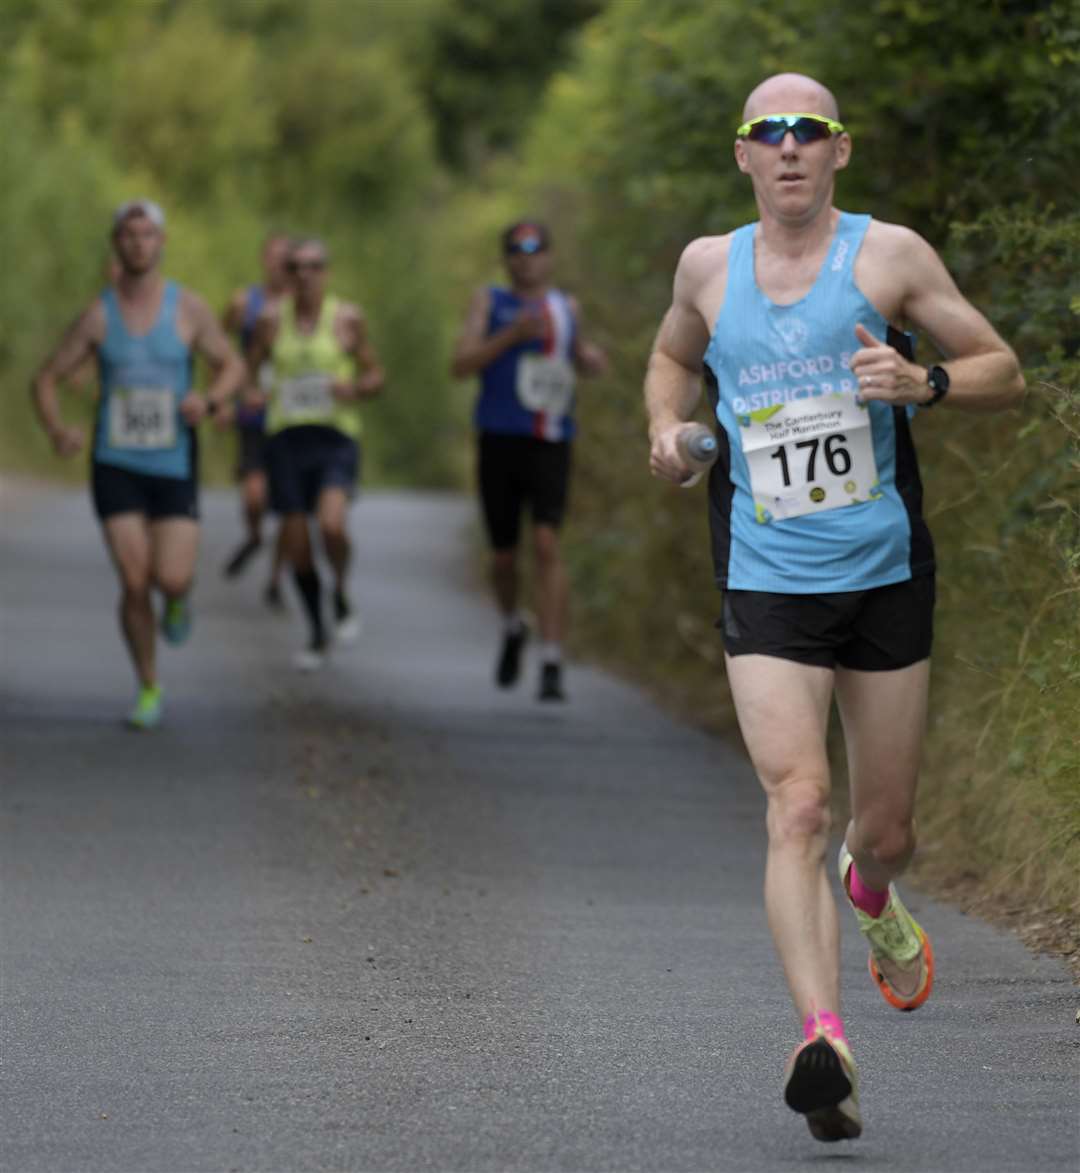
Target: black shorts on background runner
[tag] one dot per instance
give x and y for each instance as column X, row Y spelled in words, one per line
column 250, row 451
column 874, row 630
column 119, row 490
column 517, row 470
column 304, row 460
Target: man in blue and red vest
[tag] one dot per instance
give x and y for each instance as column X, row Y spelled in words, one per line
column 525, row 343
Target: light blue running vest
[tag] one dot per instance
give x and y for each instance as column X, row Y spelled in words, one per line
column 762, row 355
column 156, row 361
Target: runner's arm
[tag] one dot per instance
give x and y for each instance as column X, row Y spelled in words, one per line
column 588, row 357
column 353, row 332
column 233, row 317
column 227, row 368
column 78, row 344
column 476, row 349
column 673, row 378
column 984, row 373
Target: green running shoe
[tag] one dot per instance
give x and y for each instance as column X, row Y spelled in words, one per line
column 147, row 711
column 176, row 620
column 901, row 957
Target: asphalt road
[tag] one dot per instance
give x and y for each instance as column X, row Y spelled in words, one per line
column 387, row 918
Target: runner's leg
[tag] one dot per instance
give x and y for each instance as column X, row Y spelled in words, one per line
column 127, row 536
column 884, row 719
column 175, row 545
column 552, row 584
column 504, row 580
column 296, row 541
column 783, row 709
column 332, row 516
column 253, row 491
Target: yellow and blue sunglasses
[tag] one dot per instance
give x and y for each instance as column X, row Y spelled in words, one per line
column 771, row 128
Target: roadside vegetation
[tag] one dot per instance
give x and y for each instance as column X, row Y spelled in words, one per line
column 409, row 134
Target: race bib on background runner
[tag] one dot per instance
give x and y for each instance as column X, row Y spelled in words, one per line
column 809, row 455
column 545, row 384
column 142, row 417
column 306, row 396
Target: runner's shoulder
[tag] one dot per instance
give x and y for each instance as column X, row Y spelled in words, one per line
column 702, row 261
column 93, row 321
column 348, row 313
column 895, row 244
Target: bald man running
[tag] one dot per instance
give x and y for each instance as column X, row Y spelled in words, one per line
column 818, row 537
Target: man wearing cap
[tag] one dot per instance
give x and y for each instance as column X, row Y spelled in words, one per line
column 525, row 343
column 144, row 332
column 322, row 365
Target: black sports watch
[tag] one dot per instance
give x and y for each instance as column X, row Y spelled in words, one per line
column 937, row 379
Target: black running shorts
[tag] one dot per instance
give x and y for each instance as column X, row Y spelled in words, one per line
column 871, row 631
column 118, row 490
column 250, row 451
column 514, row 471
column 304, row 460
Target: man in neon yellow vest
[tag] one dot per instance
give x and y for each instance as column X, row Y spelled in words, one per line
column 323, row 365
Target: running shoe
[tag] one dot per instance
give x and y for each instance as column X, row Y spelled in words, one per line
column 551, row 688
column 176, row 620
column 147, row 711
column 822, row 1084
column 241, row 557
column 508, row 667
column 901, row 957
column 311, row 658
column 346, row 621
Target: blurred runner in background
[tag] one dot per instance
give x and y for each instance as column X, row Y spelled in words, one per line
column 525, row 343
column 144, row 331
column 249, row 415
column 321, row 364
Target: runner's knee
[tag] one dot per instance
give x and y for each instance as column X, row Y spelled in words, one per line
column 799, row 810
column 504, row 561
column 134, row 579
column 889, row 843
column 173, row 583
column 545, row 546
column 333, row 530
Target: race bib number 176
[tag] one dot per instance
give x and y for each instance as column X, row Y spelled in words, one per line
column 809, row 455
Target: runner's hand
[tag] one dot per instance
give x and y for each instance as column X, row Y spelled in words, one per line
column 665, row 459
column 593, row 360
column 192, row 408
column 529, row 325
column 884, row 373
column 224, row 417
column 67, row 440
column 369, row 383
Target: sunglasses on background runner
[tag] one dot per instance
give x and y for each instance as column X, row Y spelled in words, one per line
column 771, row 128
column 528, row 246
column 298, row 266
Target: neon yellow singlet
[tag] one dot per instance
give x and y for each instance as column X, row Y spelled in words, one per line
column 304, row 366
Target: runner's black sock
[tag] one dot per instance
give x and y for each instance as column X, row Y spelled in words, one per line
column 307, row 583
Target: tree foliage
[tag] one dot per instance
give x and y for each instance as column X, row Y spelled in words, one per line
column 964, row 129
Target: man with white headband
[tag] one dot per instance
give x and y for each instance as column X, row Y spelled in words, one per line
column 827, row 567
column 144, row 332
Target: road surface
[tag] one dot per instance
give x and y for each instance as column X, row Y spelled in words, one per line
column 388, row 918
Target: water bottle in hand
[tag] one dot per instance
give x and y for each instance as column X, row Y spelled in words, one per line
column 698, row 449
